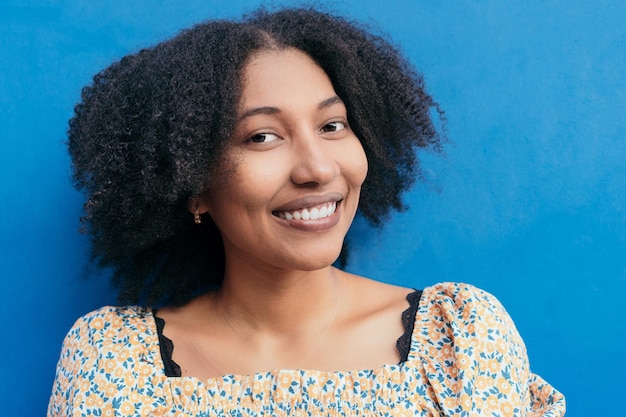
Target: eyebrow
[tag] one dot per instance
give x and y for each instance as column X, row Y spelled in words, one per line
column 329, row 102
column 273, row 110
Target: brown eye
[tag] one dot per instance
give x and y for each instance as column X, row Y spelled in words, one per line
column 333, row 127
column 263, row 138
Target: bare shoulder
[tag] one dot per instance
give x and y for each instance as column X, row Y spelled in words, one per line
column 371, row 297
column 187, row 316
column 372, row 320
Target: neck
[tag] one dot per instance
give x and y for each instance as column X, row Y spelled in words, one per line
column 278, row 302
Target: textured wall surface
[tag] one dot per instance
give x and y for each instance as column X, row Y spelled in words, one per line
column 528, row 202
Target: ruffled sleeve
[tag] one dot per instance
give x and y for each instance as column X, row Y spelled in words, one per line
column 75, row 368
column 109, row 365
column 474, row 358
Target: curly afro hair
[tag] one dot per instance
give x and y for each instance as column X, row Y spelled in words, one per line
column 151, row 130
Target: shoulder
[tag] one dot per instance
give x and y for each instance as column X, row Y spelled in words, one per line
column 110, row 339
column 464, row 336
column 456, row 291
column 114, row 313
column 370, row 290
column 461, row 298
column 111, row 325
column 108, row 356
column 468, row 310
column 114, row 317
column 367, row 297
column 472, row 323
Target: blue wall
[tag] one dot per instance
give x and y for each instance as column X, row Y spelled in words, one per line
column 528, row 202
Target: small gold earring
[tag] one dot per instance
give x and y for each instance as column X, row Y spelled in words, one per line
column 196, row 217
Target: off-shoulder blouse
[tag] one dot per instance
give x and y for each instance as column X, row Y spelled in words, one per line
column 466, row 358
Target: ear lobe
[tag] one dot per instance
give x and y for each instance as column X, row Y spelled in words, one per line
column 198, row 204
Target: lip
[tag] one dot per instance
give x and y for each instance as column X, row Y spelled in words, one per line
column 318, row 225
column 310, row 201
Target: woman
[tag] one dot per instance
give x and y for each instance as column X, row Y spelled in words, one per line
column 223, row 169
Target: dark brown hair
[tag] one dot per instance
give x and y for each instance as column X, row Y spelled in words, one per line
column 151, row 130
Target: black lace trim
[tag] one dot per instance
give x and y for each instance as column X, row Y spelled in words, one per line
column 403, row 344
column 166, row 346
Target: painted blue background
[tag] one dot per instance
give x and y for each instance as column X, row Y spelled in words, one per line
column 528, row 202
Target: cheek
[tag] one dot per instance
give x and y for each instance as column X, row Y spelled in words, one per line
column 250, row 186
column 356, row 166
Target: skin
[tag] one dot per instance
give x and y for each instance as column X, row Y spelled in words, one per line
column 282, row 305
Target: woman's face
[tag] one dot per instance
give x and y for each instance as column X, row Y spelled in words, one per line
column 294, row 190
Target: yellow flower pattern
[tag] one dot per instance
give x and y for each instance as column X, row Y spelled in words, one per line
column 466, row 359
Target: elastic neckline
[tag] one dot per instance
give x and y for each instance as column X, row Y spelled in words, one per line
column 403, row 343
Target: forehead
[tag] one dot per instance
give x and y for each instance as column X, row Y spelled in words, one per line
column 283, row 76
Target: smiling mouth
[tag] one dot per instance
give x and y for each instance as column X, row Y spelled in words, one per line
column 310, row 213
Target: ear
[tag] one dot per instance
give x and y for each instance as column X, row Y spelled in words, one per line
column 198, row 203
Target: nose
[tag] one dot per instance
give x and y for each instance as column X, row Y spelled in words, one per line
column 314, row 162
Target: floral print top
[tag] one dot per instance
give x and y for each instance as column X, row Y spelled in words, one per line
column 466, row 359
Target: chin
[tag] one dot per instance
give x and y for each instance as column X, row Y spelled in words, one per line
column 318, row 262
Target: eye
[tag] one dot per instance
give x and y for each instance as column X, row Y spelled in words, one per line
column 333, row 127
column 263, row 138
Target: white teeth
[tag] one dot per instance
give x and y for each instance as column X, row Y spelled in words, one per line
column 314, row 213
